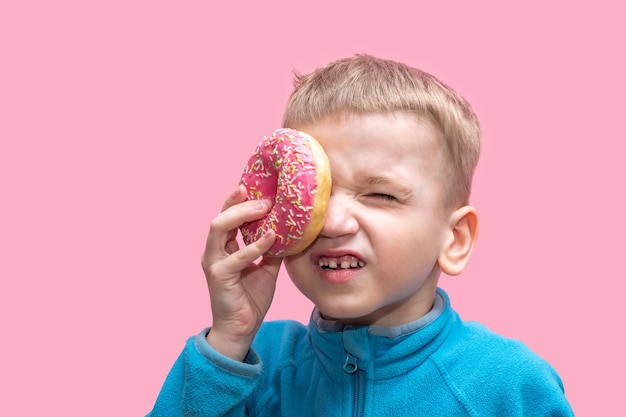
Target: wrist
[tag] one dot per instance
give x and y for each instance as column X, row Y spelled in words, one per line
column 233, row 347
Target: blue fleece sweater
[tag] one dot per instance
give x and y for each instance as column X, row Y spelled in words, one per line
column 435, row 366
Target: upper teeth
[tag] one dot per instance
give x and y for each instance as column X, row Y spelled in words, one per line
column 343, row 263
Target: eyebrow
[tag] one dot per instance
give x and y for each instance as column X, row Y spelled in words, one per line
column 398, row 185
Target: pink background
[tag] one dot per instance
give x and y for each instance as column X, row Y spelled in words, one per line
column 124, row 124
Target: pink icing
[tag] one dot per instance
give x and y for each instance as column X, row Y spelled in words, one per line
column 282, row 168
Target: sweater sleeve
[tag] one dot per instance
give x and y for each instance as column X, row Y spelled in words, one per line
column 202, row 382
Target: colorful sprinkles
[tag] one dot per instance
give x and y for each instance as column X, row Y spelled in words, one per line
column 282, row 168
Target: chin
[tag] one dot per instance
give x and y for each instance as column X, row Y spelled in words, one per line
column 346, row 315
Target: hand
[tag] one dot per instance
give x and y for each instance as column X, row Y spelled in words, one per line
column 241, row 291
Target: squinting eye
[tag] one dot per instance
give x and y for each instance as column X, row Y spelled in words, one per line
column 383, row 196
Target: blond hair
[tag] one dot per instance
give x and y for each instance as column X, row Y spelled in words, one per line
column 364, row 84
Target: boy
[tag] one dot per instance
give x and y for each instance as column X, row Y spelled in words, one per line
column 383, row 339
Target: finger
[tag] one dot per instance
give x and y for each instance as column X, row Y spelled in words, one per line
column 237, row 196
column 241, row 259
column 232, row 246
column 230, row 219
column 221, row 240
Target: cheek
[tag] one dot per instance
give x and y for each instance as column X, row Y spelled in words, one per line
column 407, row 237
column 297, row 260
column 289, row 266
column 297, row 269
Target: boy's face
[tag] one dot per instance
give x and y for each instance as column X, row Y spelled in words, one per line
column 376, row 258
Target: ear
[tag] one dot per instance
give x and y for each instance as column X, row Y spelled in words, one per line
column 460, row 240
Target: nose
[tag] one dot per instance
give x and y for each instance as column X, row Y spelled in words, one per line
column 340, row 218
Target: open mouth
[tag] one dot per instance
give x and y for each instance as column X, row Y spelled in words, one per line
column 343, row 262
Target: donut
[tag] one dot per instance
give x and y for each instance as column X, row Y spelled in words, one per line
column 291, row 169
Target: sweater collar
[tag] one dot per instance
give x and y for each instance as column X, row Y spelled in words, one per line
column 331, row 326
column 381, row 352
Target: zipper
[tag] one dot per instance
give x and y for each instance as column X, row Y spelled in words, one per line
column 351, row 367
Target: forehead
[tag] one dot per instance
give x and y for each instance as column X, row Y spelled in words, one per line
column 399, row 153
column 378, row 140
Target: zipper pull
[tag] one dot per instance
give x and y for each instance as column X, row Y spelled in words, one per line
column 350, row 365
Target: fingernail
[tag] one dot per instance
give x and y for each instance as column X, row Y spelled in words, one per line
column 267, row 235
